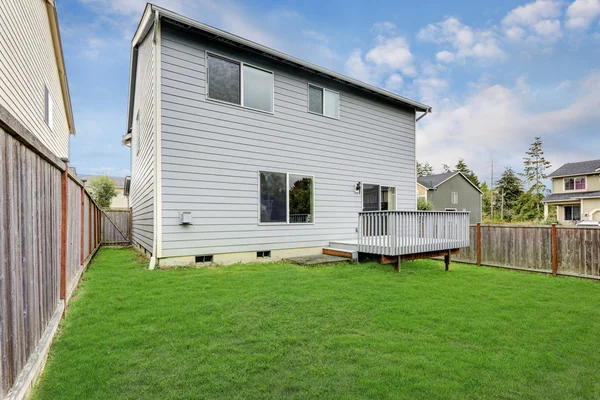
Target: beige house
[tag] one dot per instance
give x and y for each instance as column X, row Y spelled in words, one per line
column 120, row 200
column 575, row 192
column 33, row 81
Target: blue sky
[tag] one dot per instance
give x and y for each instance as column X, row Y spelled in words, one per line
column 497, row 74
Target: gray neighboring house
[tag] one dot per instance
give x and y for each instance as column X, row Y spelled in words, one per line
column 241, row 153
column 451, row 191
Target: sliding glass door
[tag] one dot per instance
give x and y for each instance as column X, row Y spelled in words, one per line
column 378, row 197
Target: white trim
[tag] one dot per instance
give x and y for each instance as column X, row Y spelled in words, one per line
column 572, row 175
column 287, row 199
column 157, row 251
column 241, row 64
column 323, row 89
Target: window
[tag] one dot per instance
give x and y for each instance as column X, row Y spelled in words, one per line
column 48, row 111
column 572, row 213
column 238, row 83
column 378, row 197
column 286, row 198
column 323, row 101
column 454, row 198
column 450, row 209
column 575, row 183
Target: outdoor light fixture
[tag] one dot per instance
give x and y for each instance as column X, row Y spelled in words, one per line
column 357, row 188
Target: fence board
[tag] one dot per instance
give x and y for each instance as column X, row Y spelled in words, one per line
column 114, row 221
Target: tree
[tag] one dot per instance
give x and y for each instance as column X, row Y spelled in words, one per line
column 424, row 169
column 423, row 204
column 508, row 188
column 446, row 168
column 461, row 166
column 535, row 166
column 102, row 189
column 526, row 207
column 486, row 201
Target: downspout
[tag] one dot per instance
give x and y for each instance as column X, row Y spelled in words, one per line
column 157, row 195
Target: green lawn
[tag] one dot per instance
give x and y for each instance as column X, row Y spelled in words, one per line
column 346, row 331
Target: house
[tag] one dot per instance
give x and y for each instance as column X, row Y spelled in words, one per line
column 120, row 200
column 451, row 191
column 33, row 80
column 242, row 153
column 575, row 192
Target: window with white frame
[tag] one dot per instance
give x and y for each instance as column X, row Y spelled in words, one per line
column 575, row 183
column 239, row 83
column 572, row 213
column 323, row 101
column 454, row 198
column 378, row 197
column 286, row 198
column 48, row 108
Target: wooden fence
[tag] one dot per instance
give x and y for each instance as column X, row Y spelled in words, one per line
column 116, row 226
column 49, row 231
column 561, row 250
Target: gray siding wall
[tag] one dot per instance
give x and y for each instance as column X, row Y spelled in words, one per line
column 212, row 152
column 143, row 148
column 469, row 199
column 27, row 65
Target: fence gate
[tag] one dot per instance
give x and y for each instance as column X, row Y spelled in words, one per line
column 116, row 227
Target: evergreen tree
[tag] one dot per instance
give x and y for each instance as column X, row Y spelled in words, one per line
column 509, row 187
column 424, row 169
column 535, row 166
column 526, row 208
column 461, row 166
column 446, row 168
column 486, row 201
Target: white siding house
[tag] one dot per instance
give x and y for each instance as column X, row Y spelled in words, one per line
column 264, row 152
column 33, row 83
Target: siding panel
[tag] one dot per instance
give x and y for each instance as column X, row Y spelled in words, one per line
column 212, row 152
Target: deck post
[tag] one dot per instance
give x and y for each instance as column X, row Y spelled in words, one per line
column 397, row 264
column 447, row 260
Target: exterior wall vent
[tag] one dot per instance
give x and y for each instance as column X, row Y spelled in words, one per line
column 185, row 218
column 263, row 254
column 204, row 259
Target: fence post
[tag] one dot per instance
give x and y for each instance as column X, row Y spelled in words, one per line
column 82, row 241
column 64, row 189
column 554, row 251
column 479, row 243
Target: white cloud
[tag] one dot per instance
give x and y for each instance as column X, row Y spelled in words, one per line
column 537, row 22
column 581, row 13
column 496, row 118
column 394, row 82
column 357, row 68
column 467, row 42
column 316, row 36
column 384, row 28
column 394, row 54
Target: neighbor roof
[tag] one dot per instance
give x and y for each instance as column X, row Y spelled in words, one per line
column 578, row 168
column 265, row 51
column 570, row 196
column 433, row 181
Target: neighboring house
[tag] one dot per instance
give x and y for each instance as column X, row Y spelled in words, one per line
column 120, row 200
column 240, row 152
column 451, row 191
column 575, row 192
column 33, row 81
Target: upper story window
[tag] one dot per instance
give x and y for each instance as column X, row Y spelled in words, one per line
column 323, row 101
column 238, row 83
column 454, row 198
column 48, row 108
column 574, row 183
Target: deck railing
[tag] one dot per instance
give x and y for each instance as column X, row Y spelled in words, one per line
column 396, row 233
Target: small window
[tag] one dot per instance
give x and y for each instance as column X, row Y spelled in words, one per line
column 323, row 101
column 239, row 83
column 454, row 198
column 286, row 198
column 204, row 259
column 48, row 108
column 450, row 209
column 574, row 183
column 263, row 254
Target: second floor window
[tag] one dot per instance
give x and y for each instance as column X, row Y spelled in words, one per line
column 239, row 83
column 323, row 101
column 454, row 198
column 574, row 183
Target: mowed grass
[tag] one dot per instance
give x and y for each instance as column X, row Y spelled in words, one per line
column 345, row 331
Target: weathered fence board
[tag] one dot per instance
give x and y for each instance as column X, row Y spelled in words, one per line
column 31, row 228
column 116, row 226
column 529, row 248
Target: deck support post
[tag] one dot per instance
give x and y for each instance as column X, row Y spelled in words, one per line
column 397, row 264
column 447, row 260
